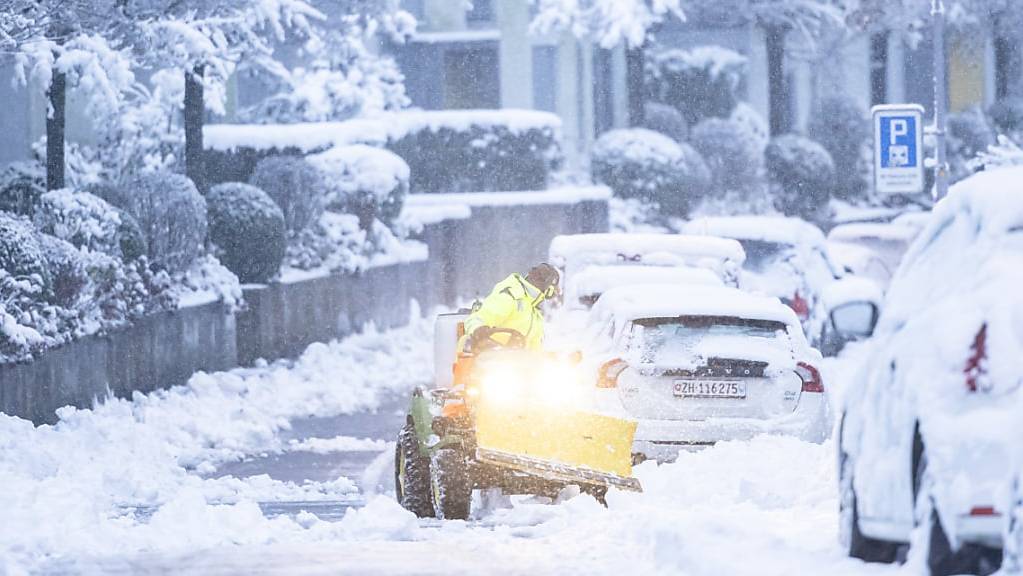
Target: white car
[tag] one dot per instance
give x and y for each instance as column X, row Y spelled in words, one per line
column 572, row 254
column 934, row 416
column 785, row 257
column 886, row 242
column 703, row 364
column 589, row 284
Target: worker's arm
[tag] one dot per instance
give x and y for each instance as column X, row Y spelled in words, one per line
column 494, row 312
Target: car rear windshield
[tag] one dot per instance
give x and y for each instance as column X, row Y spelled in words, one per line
column 761, row 254
column 662, row 339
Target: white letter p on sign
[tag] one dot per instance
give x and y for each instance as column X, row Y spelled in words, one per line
column 899, row 128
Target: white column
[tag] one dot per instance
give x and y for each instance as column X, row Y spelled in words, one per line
column 619, row 88
column 758, row 95
column 896, row 69
column 515, row 54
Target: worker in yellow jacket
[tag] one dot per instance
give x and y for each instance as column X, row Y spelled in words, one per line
column 514, row 303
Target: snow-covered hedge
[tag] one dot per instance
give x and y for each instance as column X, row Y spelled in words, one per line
column 640, row 163
column 665, row 119
column 731, row 152
column 368, row 182
column 843, row 129
column 20, row 253
column 295, row 185
column 801, row 173
column 67, row 269
column 171, row 213
column 21, row 185
column 87, row 221
column 248, row 228
column 701, row 83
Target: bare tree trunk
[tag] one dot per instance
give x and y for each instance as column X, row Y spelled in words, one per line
column 55, row 123
column 195, row 167
column 778, row 101
column 634, row 73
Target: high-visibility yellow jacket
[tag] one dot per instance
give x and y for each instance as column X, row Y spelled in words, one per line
column 515, row 304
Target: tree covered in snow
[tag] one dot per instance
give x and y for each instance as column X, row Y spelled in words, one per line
column 369, row 182
column 701, row 83
column 802, row 175
column 1001, row 155
column 842, row 127
column 607, row 22
column 247, row 227
column 732, row 154
column 665, row 119
column 642, row 164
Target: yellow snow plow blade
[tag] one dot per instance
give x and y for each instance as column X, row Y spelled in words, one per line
column 558, row 444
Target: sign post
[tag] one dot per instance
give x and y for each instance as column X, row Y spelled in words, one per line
column 898, row 149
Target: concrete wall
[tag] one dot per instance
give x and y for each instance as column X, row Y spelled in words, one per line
column 466, row 258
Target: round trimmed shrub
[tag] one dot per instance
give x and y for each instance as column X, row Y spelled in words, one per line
column 130, row 238
column 802, row 175
column 843, row 129
column 81, row 218
column 248, row 228
column 731, row 154
column 20, row 252
column 368, row 182
column 640, row 163
column 295, row 185
column 666, row 120
column 701, row 83
column 170, row 212
column 1007, row 116
column 21, row 185
column 67, row 270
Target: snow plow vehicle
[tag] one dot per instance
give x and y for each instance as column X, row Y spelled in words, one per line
column 508, row 418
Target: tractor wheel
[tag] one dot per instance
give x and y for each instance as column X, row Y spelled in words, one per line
column 412, row 475
column 451, row 484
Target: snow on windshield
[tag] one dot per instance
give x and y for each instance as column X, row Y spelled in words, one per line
column 690, row 341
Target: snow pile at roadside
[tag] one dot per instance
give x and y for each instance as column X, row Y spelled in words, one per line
column 71, row 489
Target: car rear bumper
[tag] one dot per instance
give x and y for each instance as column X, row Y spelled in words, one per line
column 664, row 439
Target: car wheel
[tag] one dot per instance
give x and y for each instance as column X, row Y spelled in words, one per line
column 858, row 545
column 942, row 558
column 451, row 484
column 412, row 475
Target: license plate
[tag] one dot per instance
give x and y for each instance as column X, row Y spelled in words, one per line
column 709, row 389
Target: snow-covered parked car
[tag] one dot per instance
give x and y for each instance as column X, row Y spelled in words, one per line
column 589, row 284
column 571, row 254
column 703, row 364
column 934, row 415
column 785, row 257
column 886, row 242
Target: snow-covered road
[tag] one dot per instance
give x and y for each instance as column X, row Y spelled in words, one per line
column 214, row 477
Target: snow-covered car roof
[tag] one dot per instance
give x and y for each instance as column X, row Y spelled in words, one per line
column 879, row 231
column 916, row 220
column 777, row 229
column 666, row 301
column 604, row 249
column 600, row 279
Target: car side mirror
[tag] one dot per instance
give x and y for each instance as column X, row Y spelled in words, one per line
column 854, row 320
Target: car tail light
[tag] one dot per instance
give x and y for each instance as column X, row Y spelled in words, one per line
column 811, row 378
column 976, row 364
column 609, row 372
column 800, row 306
column 984, row 511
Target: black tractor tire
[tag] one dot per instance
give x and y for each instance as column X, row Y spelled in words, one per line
column 412, row 475
column 451, row 484
column 858, row 544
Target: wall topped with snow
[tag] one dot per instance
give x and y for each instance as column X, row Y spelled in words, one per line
column 472, row 241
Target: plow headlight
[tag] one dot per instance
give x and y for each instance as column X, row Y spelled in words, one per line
column 548, row 383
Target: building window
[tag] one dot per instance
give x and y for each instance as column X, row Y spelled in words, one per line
column 482, row 12
column 471, row 78
column 879, row 68
column 545, row 78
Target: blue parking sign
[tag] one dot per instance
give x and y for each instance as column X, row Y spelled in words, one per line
column 898, row 149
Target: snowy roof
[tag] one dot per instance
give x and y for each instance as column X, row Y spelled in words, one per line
column 600, row 279
column 634, row 247
column 887, row 232
column 565, row 195
column 378, row 130
column 666, row 301
column 490, row 35
column 777, row 229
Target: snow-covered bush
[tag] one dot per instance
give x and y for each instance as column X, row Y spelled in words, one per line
column 20, row 253
column 1007, row 117
column 844, row 131
column 21, row 185
column 248, row 228
column 295, row 185
column 68, row 274
column 731, row 153
column 171, row 214
column 665, row 119
column 478, row 151
column 83, row 219
column 802, row 175
column 368, row 182
column 744, row 115
column 969, row 134
column 701, row 83
column 1002, row 155
column 640, row 163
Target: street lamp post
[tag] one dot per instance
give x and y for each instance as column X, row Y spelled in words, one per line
column 940, row 100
